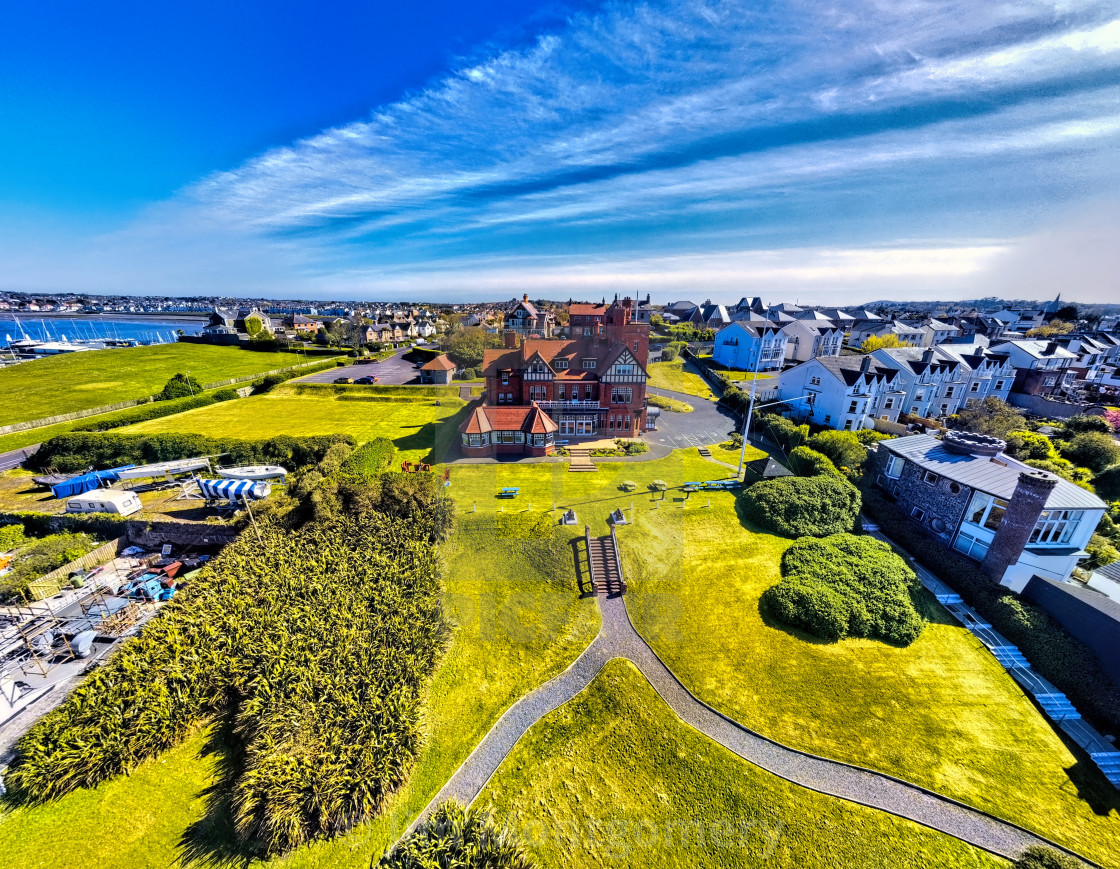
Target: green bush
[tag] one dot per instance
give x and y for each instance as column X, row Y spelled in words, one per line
column 1108, row 484
column 669, row 353
column 846, row 586
column 11, row 536
column 803, row 506
column 1052, row 652
column 371, row 458
column 1094, row 450
column 1025, row 445
column 1038, row 857
column 1083, row 423
column 461, row 838
column 784, row 432
column 76, row 451
column 806, row 462
column 842, row 447
column 180, row 386
column 36, row 557
column 316, row 645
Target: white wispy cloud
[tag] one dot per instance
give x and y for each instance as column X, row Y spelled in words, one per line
column 647, row 137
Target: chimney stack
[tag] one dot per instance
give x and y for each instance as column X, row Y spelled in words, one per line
column 512, row 340
column 525, row 298
column 927, row 356
column 865, row 365
column 1051, row 348
column 1023, row 509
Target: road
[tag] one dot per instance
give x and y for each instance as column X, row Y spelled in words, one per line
column 707, row 424
column 394, row 371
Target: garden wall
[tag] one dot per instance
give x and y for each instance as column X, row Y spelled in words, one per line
column 1036, row 404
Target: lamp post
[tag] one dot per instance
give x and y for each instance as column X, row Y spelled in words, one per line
column 746, row 426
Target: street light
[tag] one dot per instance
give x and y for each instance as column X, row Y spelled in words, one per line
column 812, row 396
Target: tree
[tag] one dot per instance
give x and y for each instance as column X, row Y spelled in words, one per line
column 1069, row 313
column 180, row 386
column 1047, row 330
column 1101, row 552
column 466, row 347
column 843, row 447
column 1094, row 450
column 992, row 416
column 882, row 342
column 254, row 325
column 1112, row 417
column 1084, row 422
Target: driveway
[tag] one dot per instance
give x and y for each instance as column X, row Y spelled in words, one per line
column 393, row 371
column 707, row 424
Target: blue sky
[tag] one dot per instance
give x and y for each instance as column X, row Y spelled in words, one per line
column 821, row 151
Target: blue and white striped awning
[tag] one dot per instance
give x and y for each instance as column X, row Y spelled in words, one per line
column 234, row 490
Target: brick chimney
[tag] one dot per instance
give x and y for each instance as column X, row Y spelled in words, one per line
column 512, row 340
column 525, row 298
column 1026, row 504
column 1051, row 348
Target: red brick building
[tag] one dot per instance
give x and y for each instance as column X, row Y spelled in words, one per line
column 540, row 390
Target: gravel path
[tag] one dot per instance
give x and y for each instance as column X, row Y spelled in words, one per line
column 618, row 639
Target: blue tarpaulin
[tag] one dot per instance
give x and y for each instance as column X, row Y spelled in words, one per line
column 85, row 482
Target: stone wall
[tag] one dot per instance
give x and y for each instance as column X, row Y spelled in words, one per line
column 943, row 501
column 1036, row 404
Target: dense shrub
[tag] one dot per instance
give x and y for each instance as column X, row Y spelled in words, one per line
column 35, row 557
column 1038, row 857
column 846, row 586
column 803, row 506
column 11, row 536
column 1094, row 450
column 77, row 451
column 669, row 353
column 784, row 432
column 372, row 457
column 806, row 462
column 842, row 447
column 105, row 526
column 180, row 386
column 1108, row 484
column 463, row 838
column 992, row 416
column 316, row 645
column 622, row 447
column 1052, row 652
column 1025, row 445
column 1083, row 423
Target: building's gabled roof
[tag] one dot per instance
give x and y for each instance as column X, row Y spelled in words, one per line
column 813, row 314
column 997, row 476
column 940, row 326
column 526, row 418
column 440, row 363
column 766, row 468
column 848, row 369
column 1044, row 349
column 581, row 309
column 748, row 316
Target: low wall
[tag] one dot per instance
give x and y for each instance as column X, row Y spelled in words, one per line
column 152, row 535
column 1044, row 406
column 1089, row 616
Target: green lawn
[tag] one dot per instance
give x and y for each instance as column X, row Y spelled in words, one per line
column 418, row 426
column 679, row 378
column 511, row 592
column 79, row 381
column 614, row 778
column 735, row 373
column 941, row 713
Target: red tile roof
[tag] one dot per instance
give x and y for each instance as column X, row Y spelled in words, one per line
column 584, row 310
column 526, row 418
column 440, row 363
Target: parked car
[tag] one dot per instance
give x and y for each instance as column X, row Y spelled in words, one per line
column 366, row 381
column 343, row 380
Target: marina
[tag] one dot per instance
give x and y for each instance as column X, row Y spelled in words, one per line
column 33, row 337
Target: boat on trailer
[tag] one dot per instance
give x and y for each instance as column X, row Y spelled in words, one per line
column 253, row 472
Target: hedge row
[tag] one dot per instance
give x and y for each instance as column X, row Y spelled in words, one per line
column 1052, row 651
column 316, row 645
column 77, row 451
column 267, row 382
column 155, row 410
column 371, row 458
column 105, row 526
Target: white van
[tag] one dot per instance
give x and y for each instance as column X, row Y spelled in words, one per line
column 104, row 501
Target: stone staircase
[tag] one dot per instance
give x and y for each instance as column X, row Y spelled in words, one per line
column 581, row 459
column 604, row 561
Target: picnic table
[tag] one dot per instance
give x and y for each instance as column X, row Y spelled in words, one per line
column 509, row 492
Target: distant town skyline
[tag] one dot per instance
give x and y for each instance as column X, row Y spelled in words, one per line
column 834, row 153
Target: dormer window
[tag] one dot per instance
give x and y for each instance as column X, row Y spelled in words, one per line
column 560, row 364
column 589, row 363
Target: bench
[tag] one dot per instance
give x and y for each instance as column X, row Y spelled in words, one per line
column 510, row 492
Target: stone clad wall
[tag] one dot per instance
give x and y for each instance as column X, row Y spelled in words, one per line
column 938, row 501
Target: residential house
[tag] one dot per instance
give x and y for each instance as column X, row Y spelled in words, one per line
column 1041, row 366
column 750, row 347
column 425, row 329
column 585, row 320
column 936, row 332
column 861, row 330
column 579, row 387
column 440, row 370
column 932, row 385
column 807, row 339
column 747, row 305
column 707, row 316
column 965, row 492
column 842, row 392
column 990, row 375
column 385, row 333
column 524, row 319
column 300, row 324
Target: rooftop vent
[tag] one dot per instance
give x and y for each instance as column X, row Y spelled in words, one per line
column 968, row 443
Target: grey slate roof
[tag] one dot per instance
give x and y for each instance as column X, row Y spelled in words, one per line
column 1110, row 571
column 980, row 472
